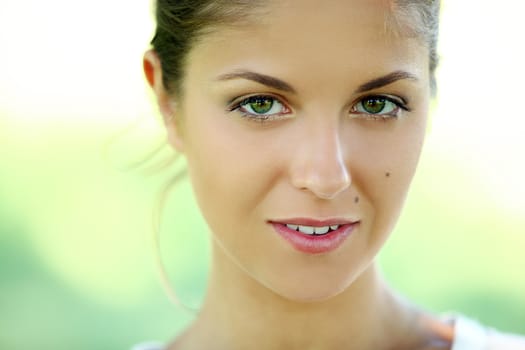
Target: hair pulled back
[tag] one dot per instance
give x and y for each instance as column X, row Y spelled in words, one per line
column 181, row 23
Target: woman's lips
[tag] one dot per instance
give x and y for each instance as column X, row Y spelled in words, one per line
column 314, row 236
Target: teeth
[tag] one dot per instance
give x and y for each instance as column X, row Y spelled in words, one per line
column 321, row 230
column 309, row 230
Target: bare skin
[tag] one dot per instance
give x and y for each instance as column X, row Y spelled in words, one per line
column 289, row 326
column 316, row 154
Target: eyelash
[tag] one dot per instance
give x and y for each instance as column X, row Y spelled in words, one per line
column 239, row 104
column 399, row 104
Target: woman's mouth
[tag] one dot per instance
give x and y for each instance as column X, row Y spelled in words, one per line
column 313, row 230
column 314, row 236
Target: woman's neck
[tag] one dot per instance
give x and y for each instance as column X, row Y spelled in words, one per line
column 240, row 313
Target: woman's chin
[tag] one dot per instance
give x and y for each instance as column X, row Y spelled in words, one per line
column 308, row 293
column 319, row 287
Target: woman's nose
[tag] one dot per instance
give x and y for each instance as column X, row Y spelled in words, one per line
column 319, row 165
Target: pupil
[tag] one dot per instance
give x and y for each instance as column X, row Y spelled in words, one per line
column 374, row 105
column 261, row 105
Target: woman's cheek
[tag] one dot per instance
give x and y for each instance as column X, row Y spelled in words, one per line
column 388, row 166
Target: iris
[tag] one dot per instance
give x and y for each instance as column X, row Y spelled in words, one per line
column 374, row 105
column 260, row 104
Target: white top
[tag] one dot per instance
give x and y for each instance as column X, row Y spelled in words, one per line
column 468, row 335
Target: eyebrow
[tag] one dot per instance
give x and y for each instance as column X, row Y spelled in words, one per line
column 259, row 78
column 385, row 80
column 284, row 86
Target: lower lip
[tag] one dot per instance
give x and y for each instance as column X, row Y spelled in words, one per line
column 315, row 244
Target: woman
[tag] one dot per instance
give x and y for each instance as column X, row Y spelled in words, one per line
column 302, row 124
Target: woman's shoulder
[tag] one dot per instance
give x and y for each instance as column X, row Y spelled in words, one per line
column 472, row 335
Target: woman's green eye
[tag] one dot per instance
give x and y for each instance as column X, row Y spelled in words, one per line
column 374, row 105
column 378, row 105
column 262, row 106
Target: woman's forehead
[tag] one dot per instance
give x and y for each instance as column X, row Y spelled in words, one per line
column 299, row 22
column 357, row 12
column 339, row 38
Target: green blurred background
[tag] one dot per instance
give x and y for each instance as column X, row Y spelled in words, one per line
column 76, row 265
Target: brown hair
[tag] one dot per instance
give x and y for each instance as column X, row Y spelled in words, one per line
column 181, row 23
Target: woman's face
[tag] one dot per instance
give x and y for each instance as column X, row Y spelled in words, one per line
column 312, row 117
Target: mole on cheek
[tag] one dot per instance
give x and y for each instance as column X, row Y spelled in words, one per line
column 356, row 200
column 387, row 174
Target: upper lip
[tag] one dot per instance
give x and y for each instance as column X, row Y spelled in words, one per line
column 315, row 222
